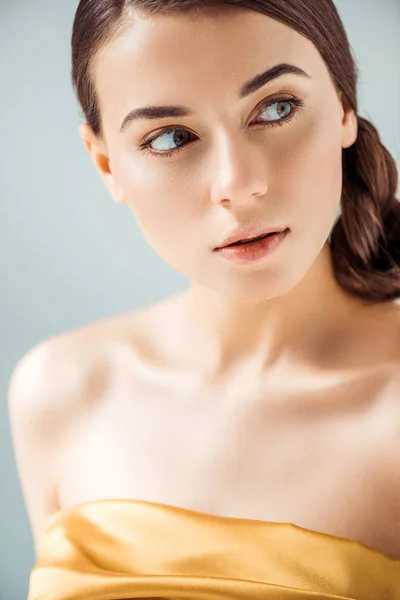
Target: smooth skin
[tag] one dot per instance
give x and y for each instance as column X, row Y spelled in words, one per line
column 262, row 391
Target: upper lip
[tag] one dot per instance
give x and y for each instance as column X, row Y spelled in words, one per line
column 247, row 233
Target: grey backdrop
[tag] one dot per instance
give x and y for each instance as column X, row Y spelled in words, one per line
column 68, row 254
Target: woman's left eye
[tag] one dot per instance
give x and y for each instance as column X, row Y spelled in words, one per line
column 281, row 110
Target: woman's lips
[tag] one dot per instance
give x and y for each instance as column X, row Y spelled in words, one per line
column 249, row 252
column 246, row 233
column 251, row 240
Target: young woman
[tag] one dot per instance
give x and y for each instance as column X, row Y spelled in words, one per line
column 239, row 439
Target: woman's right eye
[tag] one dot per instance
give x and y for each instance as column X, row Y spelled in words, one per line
column 167, row 142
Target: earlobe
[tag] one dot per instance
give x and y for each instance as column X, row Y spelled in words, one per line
column 350, row 129
column 349, row 122
column 99, row 156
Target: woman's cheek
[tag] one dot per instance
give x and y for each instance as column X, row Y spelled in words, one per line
column 316, row 178
column 165, row 211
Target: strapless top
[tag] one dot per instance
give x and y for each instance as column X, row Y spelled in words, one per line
column 125, row 549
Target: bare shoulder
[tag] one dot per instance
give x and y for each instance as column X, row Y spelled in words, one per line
column 63, row 366
column 50, row 389
column 392, row 463
column 391, row 405
column 54, row 377
column 39, row 393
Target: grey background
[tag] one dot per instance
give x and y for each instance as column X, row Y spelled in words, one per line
column 68, row 254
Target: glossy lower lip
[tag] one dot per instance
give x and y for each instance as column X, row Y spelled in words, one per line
column 254, row 251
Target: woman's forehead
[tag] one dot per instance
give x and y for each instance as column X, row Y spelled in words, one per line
column 180, row 58
column 159, row 45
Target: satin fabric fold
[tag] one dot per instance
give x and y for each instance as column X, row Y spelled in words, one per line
column 125, row 549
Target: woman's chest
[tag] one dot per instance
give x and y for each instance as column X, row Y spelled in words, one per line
column 303, row 463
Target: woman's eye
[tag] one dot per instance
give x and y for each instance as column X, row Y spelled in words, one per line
column 169, row 140
column 278, row 109
column 174, row 140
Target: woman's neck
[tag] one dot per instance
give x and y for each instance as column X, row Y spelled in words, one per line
column 218, row 332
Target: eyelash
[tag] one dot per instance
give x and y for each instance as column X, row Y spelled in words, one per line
column 295, row 103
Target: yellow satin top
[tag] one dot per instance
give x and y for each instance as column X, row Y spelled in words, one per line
column 124, row 549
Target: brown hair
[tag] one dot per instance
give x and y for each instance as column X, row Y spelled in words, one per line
column 365, row 241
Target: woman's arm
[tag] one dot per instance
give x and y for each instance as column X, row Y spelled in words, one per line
column 37, row 405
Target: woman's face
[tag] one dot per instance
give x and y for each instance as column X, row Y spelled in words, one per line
column 233, row 160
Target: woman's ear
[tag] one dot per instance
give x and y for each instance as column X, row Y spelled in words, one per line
column 98, row 152
column 349, row 124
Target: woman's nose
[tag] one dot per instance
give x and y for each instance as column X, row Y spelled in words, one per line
column 239, row 174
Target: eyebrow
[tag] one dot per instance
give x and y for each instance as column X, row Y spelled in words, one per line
column 163, row 112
